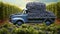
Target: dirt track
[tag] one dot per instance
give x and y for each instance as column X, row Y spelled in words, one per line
column 57, row 21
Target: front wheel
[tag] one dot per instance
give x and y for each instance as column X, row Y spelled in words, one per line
column 19, row 23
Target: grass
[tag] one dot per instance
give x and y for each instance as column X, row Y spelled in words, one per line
column 8, row 28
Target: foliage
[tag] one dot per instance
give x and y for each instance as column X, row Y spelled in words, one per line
column 55, row 8
column 29, row 29
column 6, row 10
column 58, row 9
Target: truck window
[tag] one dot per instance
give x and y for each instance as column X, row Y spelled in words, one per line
column 25, row 11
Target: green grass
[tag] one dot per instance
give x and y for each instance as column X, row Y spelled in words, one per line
column 29, row 29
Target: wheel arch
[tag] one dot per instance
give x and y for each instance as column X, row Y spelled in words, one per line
column 48, row 20
column 21, row 21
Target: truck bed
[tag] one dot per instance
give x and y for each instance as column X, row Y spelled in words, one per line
column 40, row 15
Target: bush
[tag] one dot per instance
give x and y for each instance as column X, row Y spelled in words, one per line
column 29, row 29
column 6, row 10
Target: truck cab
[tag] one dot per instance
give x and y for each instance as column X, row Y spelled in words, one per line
column 35, row 12
column 19, row 18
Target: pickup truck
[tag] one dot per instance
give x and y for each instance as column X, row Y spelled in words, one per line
column 35, row 12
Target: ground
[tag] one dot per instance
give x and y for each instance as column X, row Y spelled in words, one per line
column 57, row 21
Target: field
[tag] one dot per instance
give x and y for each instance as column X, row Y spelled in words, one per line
column 9, row 28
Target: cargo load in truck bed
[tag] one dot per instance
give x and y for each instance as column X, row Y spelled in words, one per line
column 43, row 14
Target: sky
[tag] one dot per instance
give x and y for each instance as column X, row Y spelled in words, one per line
column 22, row 3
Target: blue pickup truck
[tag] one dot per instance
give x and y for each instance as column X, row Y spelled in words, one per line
column 35, row 12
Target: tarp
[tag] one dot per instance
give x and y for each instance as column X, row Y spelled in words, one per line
column 36, row 6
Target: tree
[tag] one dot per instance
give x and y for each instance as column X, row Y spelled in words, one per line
column 6, row 10
column 55, row 8
column 58, row 9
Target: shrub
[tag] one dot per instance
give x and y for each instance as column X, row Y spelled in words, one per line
column 30, row 29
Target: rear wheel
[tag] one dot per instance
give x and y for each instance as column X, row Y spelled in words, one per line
column 48, row 22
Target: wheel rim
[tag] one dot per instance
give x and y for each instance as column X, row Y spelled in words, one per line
column 19, row 23
column 47, row 22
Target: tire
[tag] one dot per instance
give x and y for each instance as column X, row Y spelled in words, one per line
column 48, row 22
column 19, row 23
